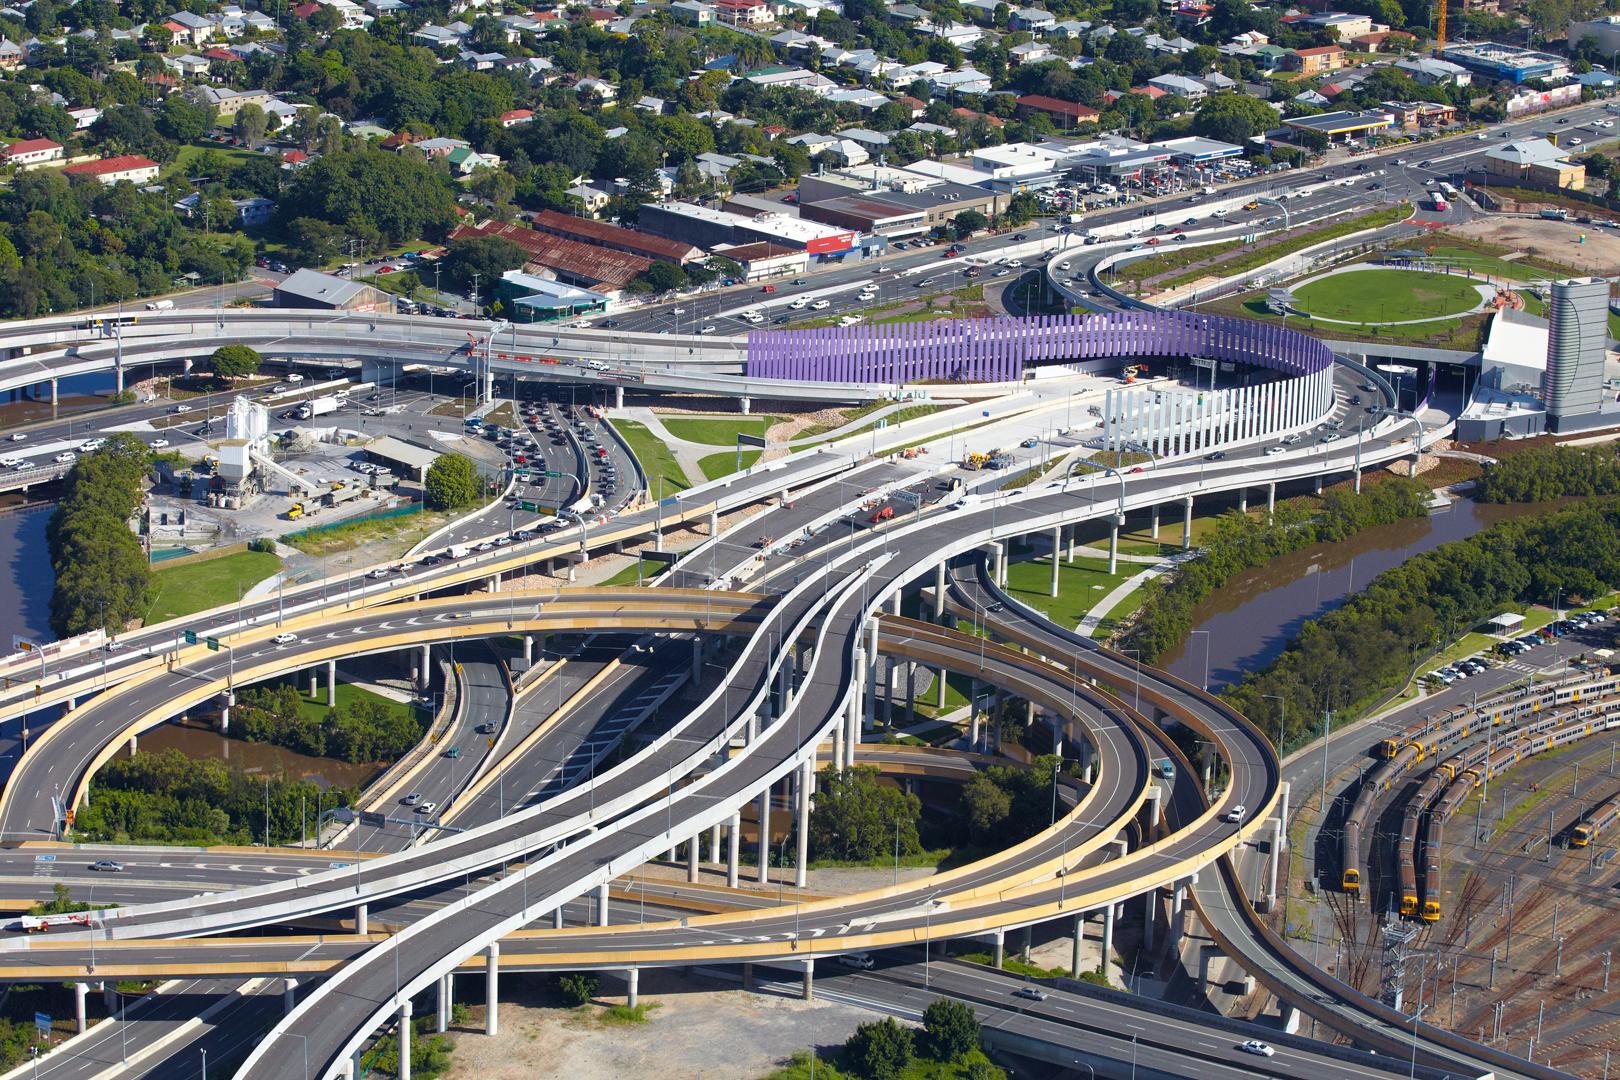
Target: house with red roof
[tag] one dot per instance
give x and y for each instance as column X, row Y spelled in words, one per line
column 131, row 167
column 27, row 152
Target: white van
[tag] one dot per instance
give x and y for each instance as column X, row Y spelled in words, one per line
column 860, row 960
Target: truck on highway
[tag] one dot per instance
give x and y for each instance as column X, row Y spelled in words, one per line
column 1555, row 215
column 160, row 305
column 320, row 406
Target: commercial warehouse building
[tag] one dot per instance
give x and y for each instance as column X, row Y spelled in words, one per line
column 900, row 213
column 1494, row 60
column 528, row 298
column 614, row 238
column 313, row 289
column 709, row 228
column 601, row 270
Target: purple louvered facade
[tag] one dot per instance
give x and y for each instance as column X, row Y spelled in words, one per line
column 996, row 350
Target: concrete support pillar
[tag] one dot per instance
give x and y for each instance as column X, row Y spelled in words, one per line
column 618, row 397
column 714, row 523
column 807, row 780
column 632, row 987
column 939, row 689
column 80, row 992
column 973, row 723
column 809, row 992
column 1150, row 913
column 1057, row 543
column 1271, row 500
column 495, row 583
column 733, row 841
column 1154, row 521
column 53, row 399
column 692, row 846
column 289, row 995
column 492, row 989
column 852, row 718
column 1113, row 543
column 1186, row 523
column 1079, row 945
column 1178, row 906
column 1001, row 948
column 314, row 682
column 447, row 983
column 748, row 976
column 109, row 999
column 1073, row 530
column 1108, row 936
column 362, row 919
column 424, row 671
column 872, row 666
column 939, row 592
column 1276, row 857
column 714, row 843
column 765, row 835
column 557, row 917
column 133, row 745
column 746, row 405
column 602, row 904
column 1206, row 953
column 1318, row 485
column 1282, row 811
column 1243, row 500
column 405, row 1040
column 528, row 650
column 331, row 684
column 1155, row 797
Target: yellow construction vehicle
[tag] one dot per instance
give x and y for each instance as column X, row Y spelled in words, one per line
column 975, row 461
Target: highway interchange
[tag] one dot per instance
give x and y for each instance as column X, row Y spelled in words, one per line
column 551, row 853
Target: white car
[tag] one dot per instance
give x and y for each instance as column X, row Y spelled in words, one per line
column 1255, row 1046
column 1273, row 451
column 1482, row 135
column 181, row 409
column 17, row 436
column 426, row 808
column 799, row 304
column 1237, row 813
column 158, row 444
column 678, row 311
column 707, row 329
column 66, row 458
column 284, row 639
column 821, row 305
column 1575, row 141
column 856, row 960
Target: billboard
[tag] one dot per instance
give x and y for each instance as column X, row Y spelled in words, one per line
column 826, row 245
column 1528, row 102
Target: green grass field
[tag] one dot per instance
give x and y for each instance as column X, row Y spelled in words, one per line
column 315, row 708
column 1080, row 585
column 191, row 587
column 656, row 460
column 1387, row 296
column 717, row 430
column 724, row 463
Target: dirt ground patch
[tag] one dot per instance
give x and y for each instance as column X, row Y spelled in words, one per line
column 701, row 1028
column 1553, row 241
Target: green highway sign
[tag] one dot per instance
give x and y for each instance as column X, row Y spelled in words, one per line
column 528, row 507
column 213, row 644
column 553, row 475
column 191, row 637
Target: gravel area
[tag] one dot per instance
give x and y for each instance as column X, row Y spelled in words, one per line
column 1555, row 241
column 701, row 1028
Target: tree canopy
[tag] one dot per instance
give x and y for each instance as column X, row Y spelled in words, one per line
column 856, row 817
column 452, row 483
column 235, row 361
column 102, row 576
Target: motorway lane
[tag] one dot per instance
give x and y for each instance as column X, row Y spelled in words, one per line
column 28, row 813
column 1098, row 1025
column 484, row 704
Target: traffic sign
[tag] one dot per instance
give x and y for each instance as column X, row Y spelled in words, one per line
column 553, row 474
column 213, row 644
column 42, row 1024
column 191, row 637
column 528, row 507
column 750, row 440
column 372, row 818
